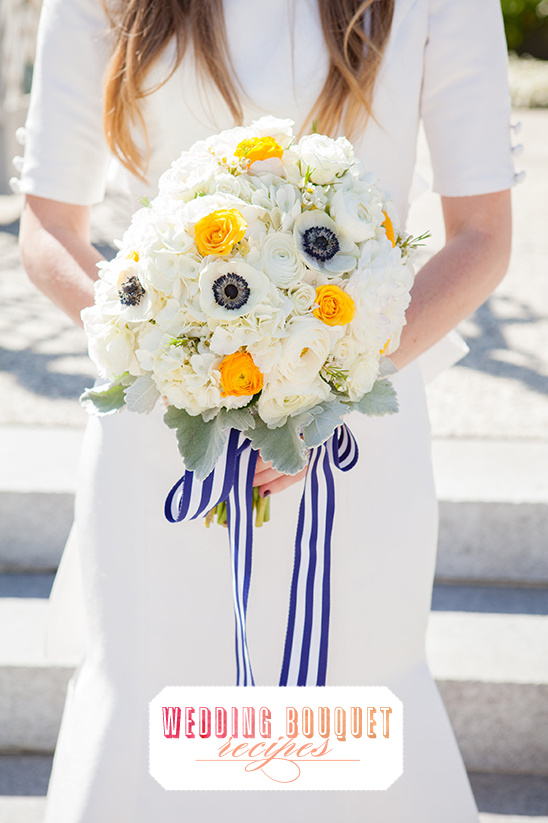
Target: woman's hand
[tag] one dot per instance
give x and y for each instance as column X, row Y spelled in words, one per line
column 271, row 481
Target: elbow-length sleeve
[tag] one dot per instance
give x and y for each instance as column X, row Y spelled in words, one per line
column 465, row 101
column 66, row 156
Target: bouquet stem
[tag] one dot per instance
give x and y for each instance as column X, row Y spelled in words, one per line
column 260, row 505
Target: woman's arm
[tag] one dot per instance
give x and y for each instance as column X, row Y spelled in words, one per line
column 450, row 287
column 462, row 275
column 57, row 253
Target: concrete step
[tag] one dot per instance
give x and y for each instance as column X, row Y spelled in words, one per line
column 493, row 510
column 33, row 810
column 37, row 479
column 32, row 686
column 501, row 798
column 491, row 669
column 493, row 504
column 492, row 673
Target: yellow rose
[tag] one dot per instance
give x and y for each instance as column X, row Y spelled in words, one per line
column 258, row 148
column 389, row 228
column 335, row 306
column 216, row 233
column 240, row 375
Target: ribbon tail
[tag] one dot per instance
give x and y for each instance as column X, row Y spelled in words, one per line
column 240, row 527
column 307, row 636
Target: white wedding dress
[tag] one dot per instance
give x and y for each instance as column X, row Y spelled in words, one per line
column 157, row 597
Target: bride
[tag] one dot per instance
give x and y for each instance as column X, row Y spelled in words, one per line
column 133, row 85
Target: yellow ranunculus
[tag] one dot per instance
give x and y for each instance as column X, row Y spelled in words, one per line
column 216, row 233
column 389, row 228
column 258, row 148
column 335, row 306
column 240, row 375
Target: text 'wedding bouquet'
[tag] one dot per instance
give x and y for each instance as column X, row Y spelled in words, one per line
column 259, row 292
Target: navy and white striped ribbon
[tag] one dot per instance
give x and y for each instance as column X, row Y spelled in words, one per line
column 306, row 645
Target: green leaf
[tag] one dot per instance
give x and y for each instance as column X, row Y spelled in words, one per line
column 108, row 398
column 283, row 446
column 326, row 418
column 142, row 395
column 386, row 367
column 382, row 399
column 201, row 442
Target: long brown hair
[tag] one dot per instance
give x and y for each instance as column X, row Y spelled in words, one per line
column 142, row 29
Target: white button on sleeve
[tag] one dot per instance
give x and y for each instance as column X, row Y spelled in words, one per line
column 465, row 101
column 66, row 156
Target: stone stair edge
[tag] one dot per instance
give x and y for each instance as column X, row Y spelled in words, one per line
column 45, row 459
column 515, row 642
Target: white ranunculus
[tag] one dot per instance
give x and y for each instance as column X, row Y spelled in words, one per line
column 356, row 214
column 276, row 403
column 280, row 260
column 362, row 374
column 325, row 157
column 302, row 295
column 346, row 350
column 304, row 350
column 231, row 288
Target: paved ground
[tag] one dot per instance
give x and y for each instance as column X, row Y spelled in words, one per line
column 499, row 390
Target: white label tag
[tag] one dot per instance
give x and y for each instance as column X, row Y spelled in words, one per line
column 272, row 738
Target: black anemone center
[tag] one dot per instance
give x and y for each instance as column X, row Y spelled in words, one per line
column 131, row 291
column 320, row 242
column 231, row 291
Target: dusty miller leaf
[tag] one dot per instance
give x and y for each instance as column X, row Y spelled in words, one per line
column 283, row 446
column 108, row 398
column 142, row 395
column 382, row 399
column 201, row 442
column 326, row 418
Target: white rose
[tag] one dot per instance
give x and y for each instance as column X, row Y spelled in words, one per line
column 269, row 126
column 325, row 156
column 304, row 350
column 190, row 173
column 280, row 260
column 275, row 404
column 356, row 214
column 302, row 295
column 111, row 345
column 235, row 185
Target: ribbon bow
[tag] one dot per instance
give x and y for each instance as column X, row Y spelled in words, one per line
column 306, row 643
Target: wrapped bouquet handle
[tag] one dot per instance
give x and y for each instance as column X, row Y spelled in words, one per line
column 307, row 637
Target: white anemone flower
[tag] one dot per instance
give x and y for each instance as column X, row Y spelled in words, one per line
column 231, row 288
column 321, row 245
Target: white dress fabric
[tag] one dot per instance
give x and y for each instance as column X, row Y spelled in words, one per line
column 157, row 597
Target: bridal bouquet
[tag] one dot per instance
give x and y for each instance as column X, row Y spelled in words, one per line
column 261, row 290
